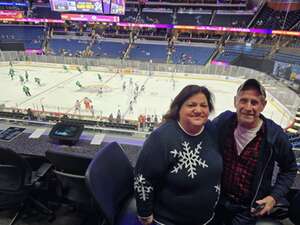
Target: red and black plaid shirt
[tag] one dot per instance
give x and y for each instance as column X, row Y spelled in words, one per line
column 239, row 170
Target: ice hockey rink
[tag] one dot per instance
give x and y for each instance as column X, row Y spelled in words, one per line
column 58, row 91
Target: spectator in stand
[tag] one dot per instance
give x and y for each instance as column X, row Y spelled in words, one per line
column 111, row 118
column 142, row 120
column 118, row 118
column 30, row 114
column 251, row 145
column 178, row 172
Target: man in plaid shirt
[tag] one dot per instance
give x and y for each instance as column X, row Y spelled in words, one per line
column 250, row 145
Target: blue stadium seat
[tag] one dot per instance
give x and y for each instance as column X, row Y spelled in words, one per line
column 227, row 57
column 109, row 49
column 32, row 36
column 192, row 55
column 193, row 19
column 70, row 45
column 258, row 52
column 230, row 20
column 145, row 52
column 109, row 177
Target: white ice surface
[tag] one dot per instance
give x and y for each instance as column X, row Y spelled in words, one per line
column 58, row 92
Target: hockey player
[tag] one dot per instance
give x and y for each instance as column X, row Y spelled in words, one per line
column 77, row 106
column 118, row 118
column 26, row 90
column 78, row 84
column 99, row 77
column 119, row 72
column 124, row 86
column 37, row 80
column 149, row 68
column 11, row 73
column 26, row 76
column 135, row 92
column 92, row 111
column 100, row 91
column 79, row 70
column 10, row 64
column 119, row 113
column 130, row 106
column 65, row 68
column 21, row 79
column 111, row 118
column 135, row 97
column 86, row 67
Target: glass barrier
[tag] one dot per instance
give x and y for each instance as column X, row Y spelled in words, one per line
column 280, row 94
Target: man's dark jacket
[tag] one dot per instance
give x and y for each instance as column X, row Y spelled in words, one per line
column 275, row 148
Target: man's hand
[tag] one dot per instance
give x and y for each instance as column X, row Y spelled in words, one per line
column 146, row 220
column 268, row 202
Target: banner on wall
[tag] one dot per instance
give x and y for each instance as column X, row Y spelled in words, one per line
column 11, row 14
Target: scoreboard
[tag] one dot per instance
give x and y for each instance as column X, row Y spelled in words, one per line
column 116, row 7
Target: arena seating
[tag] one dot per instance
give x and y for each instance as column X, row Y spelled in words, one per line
column 32, row 36
column 258, row 52
column 157, row 17
column 44, row 12
column 227, row 57
column 130, row 15
column 297, row 27
column 294, row 43
column 197, row 19
column 109, row 49
column 146, row 52
column 110, row 30
column 288, row 57
column 157, row 34
column 71, row 47
column 295, row 138
column 231, row 20
column 192, row 54
column 271, row 19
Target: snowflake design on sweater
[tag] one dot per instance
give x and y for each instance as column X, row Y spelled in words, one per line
column 218, row 188
column 188, row 159
column 141, row 187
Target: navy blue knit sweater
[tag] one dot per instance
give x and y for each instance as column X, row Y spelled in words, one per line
column 177, row 176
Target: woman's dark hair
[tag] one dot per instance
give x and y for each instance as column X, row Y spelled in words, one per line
column 187, row 92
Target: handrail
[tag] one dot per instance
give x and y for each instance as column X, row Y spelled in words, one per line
column 96, row 128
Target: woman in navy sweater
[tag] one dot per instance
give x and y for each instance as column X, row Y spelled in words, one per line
column 178, row 172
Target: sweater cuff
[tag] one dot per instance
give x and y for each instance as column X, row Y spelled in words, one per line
column 276, row 198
